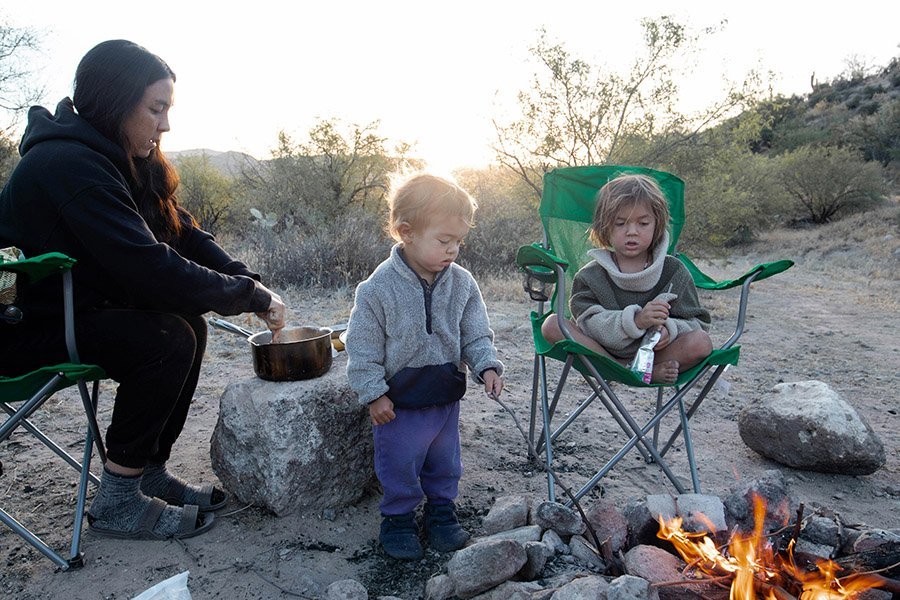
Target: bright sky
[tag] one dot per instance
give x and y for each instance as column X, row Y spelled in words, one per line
column 434, row 74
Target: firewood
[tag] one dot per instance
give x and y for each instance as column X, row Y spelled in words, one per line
column 885, row 556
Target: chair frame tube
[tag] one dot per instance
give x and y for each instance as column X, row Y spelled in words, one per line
column 93, row 439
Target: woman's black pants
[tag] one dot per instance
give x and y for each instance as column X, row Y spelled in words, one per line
column 155, row 357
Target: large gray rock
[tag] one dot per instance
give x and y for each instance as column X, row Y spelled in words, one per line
column 295, row 445
column 808, row 425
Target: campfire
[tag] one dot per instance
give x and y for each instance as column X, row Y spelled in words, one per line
column 753, row 567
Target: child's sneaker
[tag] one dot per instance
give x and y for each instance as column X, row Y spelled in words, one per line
column 443, row 529
column 400, row 537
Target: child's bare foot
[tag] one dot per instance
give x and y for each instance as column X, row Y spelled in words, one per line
column 665, row 372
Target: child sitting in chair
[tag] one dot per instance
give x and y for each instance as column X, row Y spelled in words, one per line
column 417, row 322
column 632, row 286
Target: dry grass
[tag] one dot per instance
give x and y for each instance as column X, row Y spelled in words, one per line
column 867, row 244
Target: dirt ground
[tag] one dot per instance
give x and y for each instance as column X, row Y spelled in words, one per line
column 831, row 318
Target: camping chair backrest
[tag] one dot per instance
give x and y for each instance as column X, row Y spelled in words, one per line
column 567, row 208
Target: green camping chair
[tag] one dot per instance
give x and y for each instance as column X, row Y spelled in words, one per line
column 22, row 395
column 566, row 211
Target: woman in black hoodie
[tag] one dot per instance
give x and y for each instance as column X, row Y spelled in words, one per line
column 93, row 184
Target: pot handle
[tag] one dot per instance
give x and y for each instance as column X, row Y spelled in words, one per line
column 229, row 326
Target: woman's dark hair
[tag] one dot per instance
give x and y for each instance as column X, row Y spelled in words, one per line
column 110, row 81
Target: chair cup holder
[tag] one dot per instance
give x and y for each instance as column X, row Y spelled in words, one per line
column 537, row 290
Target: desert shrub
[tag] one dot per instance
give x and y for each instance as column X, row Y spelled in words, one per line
column 207, row 193
column 825, row 182
column 730, row 201
column 491, row 246
column 338, row 254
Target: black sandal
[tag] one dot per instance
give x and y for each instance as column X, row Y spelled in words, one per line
column 192, row 523
column 208, row 497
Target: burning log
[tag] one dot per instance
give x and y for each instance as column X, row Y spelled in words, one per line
column 753, row 565
column 884, row 556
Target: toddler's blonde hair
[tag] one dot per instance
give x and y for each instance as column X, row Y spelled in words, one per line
column 628, row 190
column 419, row 198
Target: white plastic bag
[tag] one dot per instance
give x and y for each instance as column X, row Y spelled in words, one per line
column 173, row 588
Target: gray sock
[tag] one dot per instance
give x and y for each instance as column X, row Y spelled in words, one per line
column 119, row 504
column 158, row 482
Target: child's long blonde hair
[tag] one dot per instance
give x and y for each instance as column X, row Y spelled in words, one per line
column 628, row 190
column 417, row 199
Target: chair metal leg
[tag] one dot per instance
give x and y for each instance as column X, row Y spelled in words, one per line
column 693, row 408
column 553, row 403
column 89, row 401
column 30, row 405
column 659, row 395
column 548, row 449
column 20, row 418
column 56, row 448
column 535, row 391
column 689, row 447
column 638, row 436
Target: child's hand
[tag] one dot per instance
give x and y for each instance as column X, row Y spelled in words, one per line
column 653, row 314
column 664, row 339
column 381, row 411
column 493, row 384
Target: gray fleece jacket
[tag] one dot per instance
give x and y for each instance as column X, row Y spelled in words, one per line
column 413, row 341
column 605, row 301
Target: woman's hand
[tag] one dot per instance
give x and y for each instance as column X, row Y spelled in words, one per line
column 274, row 315
column 653, row 314
column 493, row 384
column 381, row 411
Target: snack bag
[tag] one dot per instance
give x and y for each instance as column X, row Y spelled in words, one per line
column 643, row 360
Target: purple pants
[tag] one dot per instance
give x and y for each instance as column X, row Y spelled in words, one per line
column 417, row 455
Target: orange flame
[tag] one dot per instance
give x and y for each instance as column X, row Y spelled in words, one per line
column 754, row 566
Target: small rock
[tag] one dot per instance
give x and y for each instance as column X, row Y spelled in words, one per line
column 561, row 519
column 629, row 587
column 346, row 589
column 439, row 587
column 553, row 541
column 582, row 588
column 528, row 533
column 508, row 512
column 586, row 553
column 480, row 567
column 537, row 554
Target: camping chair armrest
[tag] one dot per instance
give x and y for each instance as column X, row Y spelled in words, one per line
column 540, row 262
column 39, row 267
column 748, row 278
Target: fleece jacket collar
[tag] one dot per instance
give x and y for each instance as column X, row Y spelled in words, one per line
column 641, row 281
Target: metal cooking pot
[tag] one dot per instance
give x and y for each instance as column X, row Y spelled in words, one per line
column 299, row 353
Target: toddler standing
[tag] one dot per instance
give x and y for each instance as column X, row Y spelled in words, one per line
column 417, row 322
column 632, row 286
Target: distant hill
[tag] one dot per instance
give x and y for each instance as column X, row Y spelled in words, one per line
column 229, row 163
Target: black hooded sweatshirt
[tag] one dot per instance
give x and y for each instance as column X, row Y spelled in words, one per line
column 69, row 194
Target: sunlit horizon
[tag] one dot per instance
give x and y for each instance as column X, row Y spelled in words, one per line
column 432, row 77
